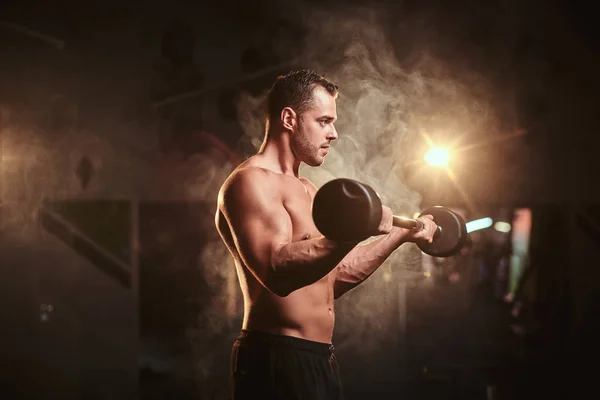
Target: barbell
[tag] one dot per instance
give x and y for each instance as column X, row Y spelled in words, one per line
column 348, row 210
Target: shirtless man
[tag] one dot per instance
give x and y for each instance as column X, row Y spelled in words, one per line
column 289, row 273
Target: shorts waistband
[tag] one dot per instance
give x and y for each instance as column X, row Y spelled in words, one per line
column 298, row 343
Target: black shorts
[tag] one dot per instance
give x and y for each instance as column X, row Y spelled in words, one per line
column 276, row 367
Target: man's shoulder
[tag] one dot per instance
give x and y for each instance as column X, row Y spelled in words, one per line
column 249, row 175
column 245, row 179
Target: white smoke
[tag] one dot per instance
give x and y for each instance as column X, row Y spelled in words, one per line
column 385, row 110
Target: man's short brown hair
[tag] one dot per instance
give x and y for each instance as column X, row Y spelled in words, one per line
column 295, row 90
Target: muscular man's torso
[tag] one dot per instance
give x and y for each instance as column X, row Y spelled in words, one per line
column 308, row 312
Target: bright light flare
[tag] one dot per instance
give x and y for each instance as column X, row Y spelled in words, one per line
column 502, row 226
column 437, row 157
column 479, row 224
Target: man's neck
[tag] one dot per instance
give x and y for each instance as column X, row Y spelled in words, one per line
column 278, row 154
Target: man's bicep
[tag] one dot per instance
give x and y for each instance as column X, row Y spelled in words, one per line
column 259, row 226
column 262, row 235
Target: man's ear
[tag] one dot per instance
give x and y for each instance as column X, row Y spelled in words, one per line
column 288, row 118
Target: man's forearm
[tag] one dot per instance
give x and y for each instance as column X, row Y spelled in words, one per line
column 362, row 261
column 302, row 263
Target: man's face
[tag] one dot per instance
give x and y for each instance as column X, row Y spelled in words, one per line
column 315, row 129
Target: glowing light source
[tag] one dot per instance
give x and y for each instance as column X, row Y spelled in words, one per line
column 479, row 224
column 502, row 226
column 437, row 157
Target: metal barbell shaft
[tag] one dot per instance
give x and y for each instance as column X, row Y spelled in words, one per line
column 409, row 223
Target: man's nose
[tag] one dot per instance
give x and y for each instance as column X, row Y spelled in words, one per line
column 333, row 135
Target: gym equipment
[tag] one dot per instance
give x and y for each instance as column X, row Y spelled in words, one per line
column 347, row 210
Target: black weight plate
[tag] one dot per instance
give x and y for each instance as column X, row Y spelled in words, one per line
column 345, row 209
column 453, row 235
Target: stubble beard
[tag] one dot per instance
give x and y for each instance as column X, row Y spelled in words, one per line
column 306, row 151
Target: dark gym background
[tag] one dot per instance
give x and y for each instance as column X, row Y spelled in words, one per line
column 119, row 121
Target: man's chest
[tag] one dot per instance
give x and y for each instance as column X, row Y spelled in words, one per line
column 298, row 203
